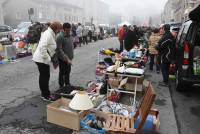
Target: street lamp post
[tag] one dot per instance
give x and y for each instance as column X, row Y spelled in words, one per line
column 92, row 20
column 1, row 13
column 30, row 13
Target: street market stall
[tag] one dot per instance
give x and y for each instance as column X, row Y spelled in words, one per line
column 98, row 109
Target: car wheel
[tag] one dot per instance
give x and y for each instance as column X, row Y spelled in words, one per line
column 180, row 85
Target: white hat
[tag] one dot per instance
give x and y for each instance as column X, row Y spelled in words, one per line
column 81, row 101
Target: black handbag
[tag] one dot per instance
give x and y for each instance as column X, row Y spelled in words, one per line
column 54, row 59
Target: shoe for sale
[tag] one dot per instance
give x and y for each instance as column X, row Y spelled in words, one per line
column 49, row 98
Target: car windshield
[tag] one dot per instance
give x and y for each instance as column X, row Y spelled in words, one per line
column 23, row 24
column 23, row 30
column 175, row 24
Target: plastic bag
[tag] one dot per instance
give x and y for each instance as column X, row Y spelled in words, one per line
column 90, row 117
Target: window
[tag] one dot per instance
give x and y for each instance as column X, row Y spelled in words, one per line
column 182, row 36
column 197, row 37
column 18, row 16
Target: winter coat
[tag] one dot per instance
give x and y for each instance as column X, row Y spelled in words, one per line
column 46, row 47
column 85, row 32
column 166, row 48
column 65, row 48
column 79, row 31
column 153, row 40
column 121, row 34
column 130, row 40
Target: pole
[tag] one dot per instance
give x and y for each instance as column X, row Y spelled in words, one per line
column 1, row 14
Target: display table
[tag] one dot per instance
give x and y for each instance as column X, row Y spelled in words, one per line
column 134, row 92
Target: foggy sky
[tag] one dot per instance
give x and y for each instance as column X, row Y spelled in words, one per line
column 138, row 8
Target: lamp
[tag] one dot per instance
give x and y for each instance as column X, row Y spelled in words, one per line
column 81, row 101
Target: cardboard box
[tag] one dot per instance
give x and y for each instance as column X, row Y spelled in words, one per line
column 114, row 82
column 65, row 118
column 130, row 84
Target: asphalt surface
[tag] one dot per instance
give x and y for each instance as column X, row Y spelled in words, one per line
column 21, row 109
column 23, row 112
column 187, row 109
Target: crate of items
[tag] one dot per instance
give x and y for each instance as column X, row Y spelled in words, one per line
column 60, row 114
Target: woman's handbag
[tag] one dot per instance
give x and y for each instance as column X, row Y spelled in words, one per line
column 54, row 60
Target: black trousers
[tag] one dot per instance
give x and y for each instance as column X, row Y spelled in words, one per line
column 64, row 73
column 121, row 46
column 165, row 71
column 85, row 40
column 44, row 77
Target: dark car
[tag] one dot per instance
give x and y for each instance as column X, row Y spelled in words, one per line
column 188, row 55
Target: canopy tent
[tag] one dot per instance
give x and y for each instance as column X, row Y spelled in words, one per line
column 124, row 23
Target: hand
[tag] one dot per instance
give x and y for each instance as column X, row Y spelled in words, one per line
column 68, row 62
column 172, row 65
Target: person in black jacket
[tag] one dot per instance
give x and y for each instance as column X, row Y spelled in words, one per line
column 130, row 40
column 165, row 51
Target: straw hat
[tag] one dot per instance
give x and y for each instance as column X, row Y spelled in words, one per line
column 81, row 101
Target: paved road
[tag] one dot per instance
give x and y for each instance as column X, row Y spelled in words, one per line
column 187, row 109
column 23, row 112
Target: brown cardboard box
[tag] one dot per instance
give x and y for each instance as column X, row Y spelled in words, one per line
column 127, row 83
column 114, row 82
column 130, row 85
column 65, row 118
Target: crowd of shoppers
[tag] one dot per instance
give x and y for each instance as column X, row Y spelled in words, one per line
column 161, row 46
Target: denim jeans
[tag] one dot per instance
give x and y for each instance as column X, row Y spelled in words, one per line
column 152, row 62
column 165, row 71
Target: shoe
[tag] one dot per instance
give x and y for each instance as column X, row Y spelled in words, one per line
column 157, row 72
column 163, row 84
column 49, row 98
column 61, row 87
column 42, row 97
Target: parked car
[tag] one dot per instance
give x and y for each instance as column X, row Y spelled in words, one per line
column 6, row 35
column 6, row 32
column 188, row 55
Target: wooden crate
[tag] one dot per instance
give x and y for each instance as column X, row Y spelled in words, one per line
column 120, row 123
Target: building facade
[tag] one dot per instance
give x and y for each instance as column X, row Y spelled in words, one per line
column 1, row 12
column 168, row 13
column 178, row 10
column 96, row 11
column 43, row 11
column 72, row 11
